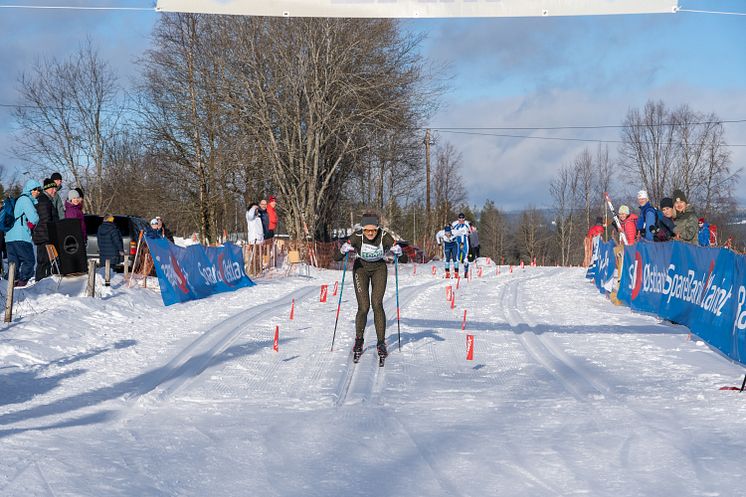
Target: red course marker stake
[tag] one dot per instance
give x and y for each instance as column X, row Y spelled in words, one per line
column 276, row 346
column 292, row 310
column 324, row 291
column 469, row 347
column 463, row 323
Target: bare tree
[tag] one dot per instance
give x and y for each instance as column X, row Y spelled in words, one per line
column 321, row 96
column 564, row 191
column 531, row 232
column 649, row 148
column 448, row 188
column 493, row 232
column 70, row 113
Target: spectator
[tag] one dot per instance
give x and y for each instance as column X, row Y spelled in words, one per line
column 597, row 229
column 40, row 237
column 58, row 201
column 272, row 216
column 166, row 232
column 264, row 216
column 110, row 243
column 629, row 224
column 254, row 228
column 647, row 217
column 74, row 210
column 687, row 227
column 155, row 229
column 473, row 243
column 18, row 239
column 664, row 229
column 703, row 237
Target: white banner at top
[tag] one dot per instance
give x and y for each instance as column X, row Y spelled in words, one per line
column 419, row 8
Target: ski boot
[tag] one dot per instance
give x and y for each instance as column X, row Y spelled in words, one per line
column 456, row 272
column 382, row 353
column 448, row 274
column 357, row 350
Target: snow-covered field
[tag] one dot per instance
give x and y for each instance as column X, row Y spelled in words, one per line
column 567, row 394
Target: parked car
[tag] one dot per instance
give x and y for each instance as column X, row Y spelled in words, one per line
column 129, row 227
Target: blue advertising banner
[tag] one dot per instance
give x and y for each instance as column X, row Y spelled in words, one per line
column 195, row 272
column 605, row 266
column 644, row 275
column 701, row 288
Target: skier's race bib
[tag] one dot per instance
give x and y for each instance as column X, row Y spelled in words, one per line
column 371, row 253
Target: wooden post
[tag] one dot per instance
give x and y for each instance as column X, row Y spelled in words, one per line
column 91, row 287
column 107, row 273
column 9, row 300
column 126, row 266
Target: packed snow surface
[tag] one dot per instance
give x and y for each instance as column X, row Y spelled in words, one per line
column 567, row 394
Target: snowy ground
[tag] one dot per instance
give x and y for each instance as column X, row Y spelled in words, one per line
column 567, row 395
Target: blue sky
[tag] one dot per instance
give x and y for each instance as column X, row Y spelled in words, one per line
column 505, row 72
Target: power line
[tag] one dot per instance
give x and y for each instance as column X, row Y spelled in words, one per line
column 599, row 126
column 712, row 12
column 528, row 137
column 465, row 128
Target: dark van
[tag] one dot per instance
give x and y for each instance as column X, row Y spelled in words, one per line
column 129, row 227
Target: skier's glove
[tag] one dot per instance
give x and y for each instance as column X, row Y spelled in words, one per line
column 346, row 247
column 396, row 250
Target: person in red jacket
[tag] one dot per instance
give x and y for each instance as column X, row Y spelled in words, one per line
column 629, row 224
column 272, row 215
column 597, row 229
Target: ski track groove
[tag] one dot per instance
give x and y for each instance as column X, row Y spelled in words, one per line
column 585, row 386
column 448, row 487
column 351, row 379
column 178, row 372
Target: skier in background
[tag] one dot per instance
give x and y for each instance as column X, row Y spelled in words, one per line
column 450, row 249
column 461, row 230
column 369, row 274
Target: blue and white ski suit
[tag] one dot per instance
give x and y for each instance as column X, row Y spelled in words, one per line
column 461, row 231
column 450, row 248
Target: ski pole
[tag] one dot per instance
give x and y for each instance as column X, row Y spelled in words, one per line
column 396, row 272
column 339, row 305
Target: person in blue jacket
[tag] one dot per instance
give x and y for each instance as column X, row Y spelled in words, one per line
column 647, row 217
column 110, row 243
column 18, row 239
column 445, row 238
column 703, row 237
column 461, row 230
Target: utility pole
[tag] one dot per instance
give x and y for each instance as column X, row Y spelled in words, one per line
column 427, row 181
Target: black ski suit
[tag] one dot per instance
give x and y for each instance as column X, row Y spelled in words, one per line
column 369, row 274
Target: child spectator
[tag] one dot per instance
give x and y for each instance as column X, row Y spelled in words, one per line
column 110, row 243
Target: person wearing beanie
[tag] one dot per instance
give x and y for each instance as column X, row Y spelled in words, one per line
column 74, row 210
column 628, row 222
column 597, row 229
column 272, row 214
column 110, row 242
column 59, row 200
column 703, row 235
column 47, row 215
column 254, row 228
column 450, row 248
column 687, row 227
column 664, row 228
column 461, row 230
column 19, row 238
column 368, row 245
column 648, row 216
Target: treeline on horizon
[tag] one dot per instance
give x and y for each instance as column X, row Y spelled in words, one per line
column 329, row 116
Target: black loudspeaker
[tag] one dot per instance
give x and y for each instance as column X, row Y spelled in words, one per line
column 67, row 237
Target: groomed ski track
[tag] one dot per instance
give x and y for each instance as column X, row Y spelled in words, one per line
column 567, row 395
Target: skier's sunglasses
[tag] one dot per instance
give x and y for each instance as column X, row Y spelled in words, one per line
column 374, row 230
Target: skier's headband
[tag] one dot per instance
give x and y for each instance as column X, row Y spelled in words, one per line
column 369, row 220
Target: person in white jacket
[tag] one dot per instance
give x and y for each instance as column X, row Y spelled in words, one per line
column 255, row 232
